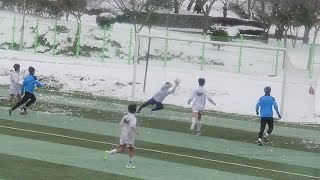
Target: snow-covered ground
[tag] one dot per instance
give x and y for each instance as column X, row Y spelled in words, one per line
column 233, row 92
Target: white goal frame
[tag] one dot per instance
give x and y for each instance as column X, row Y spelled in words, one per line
column 137, row 44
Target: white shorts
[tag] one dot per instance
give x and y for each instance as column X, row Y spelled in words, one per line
column 15, row 92
column 128, row 142
column 196, row 109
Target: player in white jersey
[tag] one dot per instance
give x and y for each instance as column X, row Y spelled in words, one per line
column 128, row 132
column 199, row 98
column 15, row 83
column 159, row 97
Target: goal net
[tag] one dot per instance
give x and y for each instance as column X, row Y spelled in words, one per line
column 161, row 59
column 299, row 93
column 166, row 58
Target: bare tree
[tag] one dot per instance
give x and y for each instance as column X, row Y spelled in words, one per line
column 289, row 16
column 206, row 13
column 251, row 4
column 190, row 5
column 135, row 8
column 266, row 11
column 76, row 8
column 313, row 7
column 225, row 7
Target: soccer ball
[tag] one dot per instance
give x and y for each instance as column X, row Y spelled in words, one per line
column 177, row 81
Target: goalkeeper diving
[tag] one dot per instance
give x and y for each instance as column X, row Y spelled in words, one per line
column 160, row 96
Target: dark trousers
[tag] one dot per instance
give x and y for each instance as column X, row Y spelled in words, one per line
column 28, row 98
column 264, row 122
column 159, row 106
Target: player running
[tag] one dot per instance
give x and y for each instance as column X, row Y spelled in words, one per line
column 199, row 97
column 159, row 97
column 14, row 85
column 265, row 105
column 128, row 132
column 27, row 88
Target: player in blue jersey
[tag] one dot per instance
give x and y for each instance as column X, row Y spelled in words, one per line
column 27, row 88
column 265, row 105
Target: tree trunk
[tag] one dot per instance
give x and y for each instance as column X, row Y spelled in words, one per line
column 225, row 11
column 67, row 16
column 176, row 6
column 316, row 35
column 306, row 34
column 265, row 35
column 294, row 31
column 190, row 5
column 249, row 8
column 206, row 20
column 295, row 39
column 285, row 37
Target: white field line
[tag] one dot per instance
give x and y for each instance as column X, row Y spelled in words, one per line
column 164, row 152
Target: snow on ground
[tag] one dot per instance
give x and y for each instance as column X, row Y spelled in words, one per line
column 234, row 92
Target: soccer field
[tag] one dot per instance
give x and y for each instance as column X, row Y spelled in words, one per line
column 64, row 137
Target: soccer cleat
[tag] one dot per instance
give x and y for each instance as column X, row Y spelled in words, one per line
column 23, row 111
column 129, row 166
column 10, row 112
column 260, row 143
column 192, row 126
column 198, row 133
column 106, row 155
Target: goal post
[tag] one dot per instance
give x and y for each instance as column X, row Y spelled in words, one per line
column 201, row 42
column 296, row 83
column 299, row 91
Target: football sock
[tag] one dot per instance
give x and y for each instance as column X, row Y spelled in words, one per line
column 198, row 126
column 193, row 120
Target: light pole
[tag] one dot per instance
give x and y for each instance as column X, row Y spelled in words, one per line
column 22, row 27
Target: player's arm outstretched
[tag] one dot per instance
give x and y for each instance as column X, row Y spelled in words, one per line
column 210, row 99
column 276, row 108
column 176, row 84
column 39, row 83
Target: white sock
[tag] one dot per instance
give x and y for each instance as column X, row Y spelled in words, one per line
column 259, row 139
column 114, row 151
column 267, row 134
column 130, row 160
column 193, row 120
column 198, row 126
